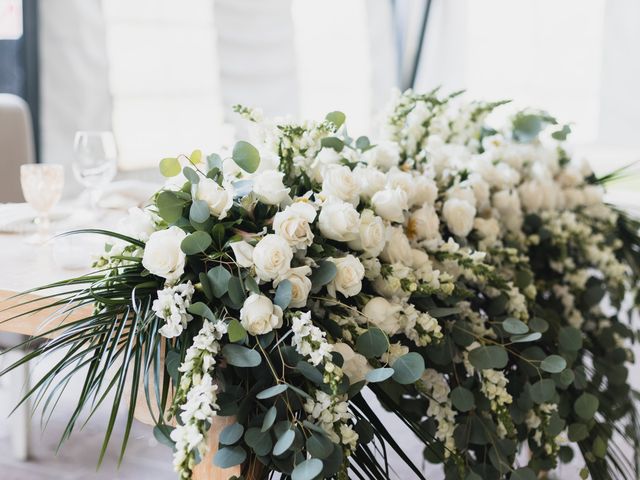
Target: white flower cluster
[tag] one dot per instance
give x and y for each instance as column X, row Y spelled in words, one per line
column 332, row 414
column 494, row 387
column 435, row 386
column 196, row 397
column 171, row 305
column 309, row 341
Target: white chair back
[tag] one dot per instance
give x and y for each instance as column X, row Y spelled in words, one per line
column 16, row 145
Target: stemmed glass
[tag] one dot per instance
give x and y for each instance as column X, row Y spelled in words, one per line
column 42, row 188
column 94, row 165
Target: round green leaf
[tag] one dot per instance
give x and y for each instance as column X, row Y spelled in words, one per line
column 543, row 390
column 191, row 175
column 337, row 118
column 523, row 473
column 379, row 374
column 202, row 310
column 246, row 156
column 259, row 441
column 408, row 368
column 372, row 343
column 236, row 331
column 231, row 434
column 307, row 470
column 196, row 242
column 462, row 399
column 577, row 432
column 492, row 356
column 284, row 442
column 236, row 292
column 162, row 434
column 240, row 356
column 310, row 372
column 199, row 211
column 272, row 391
column 269, row 418
column 169, row 206
column 586, row 406
column 570, row 338
column 322, row 275
column 553, row 364
column 170, row 167
column 228, row 457
column 319, row 445
column 282, row 297
column 515, row 326
column 528, row 337
column 537, row 324
column 219, row 279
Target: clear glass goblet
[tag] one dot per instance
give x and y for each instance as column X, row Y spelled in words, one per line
column 94, row 164
column 42, row 188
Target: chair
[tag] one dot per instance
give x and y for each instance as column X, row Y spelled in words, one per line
column 18, row 147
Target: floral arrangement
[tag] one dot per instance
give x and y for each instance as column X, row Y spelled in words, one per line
column 468, row 276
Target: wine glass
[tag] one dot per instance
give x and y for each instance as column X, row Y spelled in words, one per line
column 42, row 188
column 94, row 165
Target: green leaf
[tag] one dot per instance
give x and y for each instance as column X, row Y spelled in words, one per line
column 543, row 390
column 196, row 157
column 251, row 284
column 537, row 324
column 199, row 211
column 322, row 275
column 310, row 372
column 169, row 206
column 246, row 156
column 191, row 175
column 337, row 118
column 217, row 233
column 515, row 326
column 284, row 442
column 241, row 356
column 523, row 473
column 362, row 143
column 372, row 343
column 553, row 364
column 282, row 297
column 228, row 457
column 562, row 134
column 202, row 310
column 379, row 374
column 219, row 278
column 570, row 338
column 236, row 331
column 269, row 418
column 231, row 434
column 319, row 446
column 214, row 161
column 528, row 337
column 408, row 368
column 236, row 292
column 577, row 432
column 162, row 433
column 492, row 356
column 170, row 167
column 586, row 406
column 172, row 363
column 332, row 142
column 196, row 242
column 462, row 399
column 441, row 312
column 272, row 391
column 307, row 470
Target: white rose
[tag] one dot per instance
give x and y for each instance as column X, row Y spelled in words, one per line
column 384, row 155
column 390, row 204
column 355, row 365
column 373, row 234
column 481, row 191
column 339, row 221
column 424, row 223
column 425, row 191
column 259, row 315
column 339, row 182
column 402, row 180
column 163, row 256
column 219, row 199
column 300, row 285
column 397, row 248
column 530, row 196
column 383, row 314
column 459, row 216
column 372, row 267
column 419, row 259
column 326, row 156
column 370, row 179
column 488, row 230
column 269, row 188
column 138, row 224
column 243, row 251
column 272, row 257
column 292, row 224
column 348, row 279
column 462, row 192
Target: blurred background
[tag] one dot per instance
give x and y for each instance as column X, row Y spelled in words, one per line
column 162, row 75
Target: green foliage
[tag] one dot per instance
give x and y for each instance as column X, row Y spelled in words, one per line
column 196, row 242
column 462, row 399
column 408, row 368
column 490, row 356
column 240, row 356
column 246, row 156
column 170, row 167
column 372, row 343
column 337, row 118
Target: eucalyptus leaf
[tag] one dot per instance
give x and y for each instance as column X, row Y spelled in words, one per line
column 199, row 211
column 372, row 343
column 236, row 331
column 231, row 434
column 332, row 142
column 586, row 406
column 528, row 337
column 310, row 372
column 570, row 338
column 272, row 391
column 246, row 156
column 228, row 457
column 191, row 175
column 236, row 292
column 219, row 278
column 379, row 374
column 162, row 433
column 553, row 364
column 202, row 310
column 462, row 399
column 487, row 357
column 307, row 470
column 322, row 275
column 269, row 418
column 172, row 363
column 196, row 242
column 515, row 326
column 337, row 118
column 169, row 206
column 284, row 443
column 282, row 297
column 319, row 446
column 523, row 473
column 170, row 167
column 543, row 390
column 240, row 356
column 408, row 368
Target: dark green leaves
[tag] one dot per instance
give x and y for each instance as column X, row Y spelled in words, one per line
column 462, row 399
column 318, row 445
column 219, row 280
column 307, row 470
column 170, row 206
column 272, row 391
column 202, row 310
column 408, row 368
column 570, row 338
column 586, row 406
column 379, row 374
column 246, row 156
column 492, row 356
column 228, row 457
column 196, row 242
column 543, row 390
column 332, row 142
column 241, row 356
column 231, row 434
column 523, row 473
column 170, row 167
column 553, row 364
column 162, row 433
column 337, row 118
column 372, row 343
column 269, row 418
column 282, row 297
column 322, row 275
